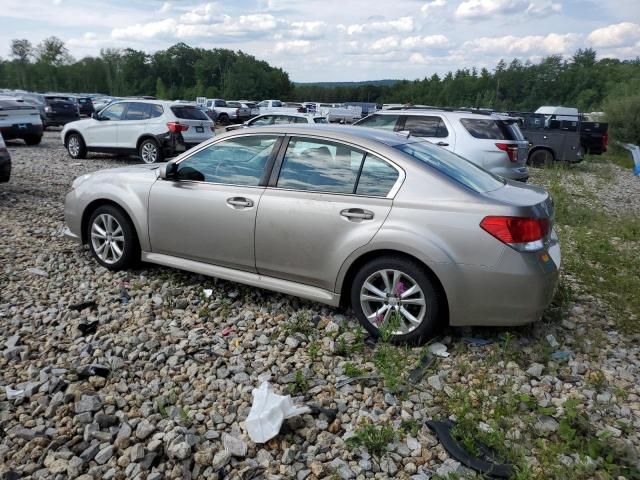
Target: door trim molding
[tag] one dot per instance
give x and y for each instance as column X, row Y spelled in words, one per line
column 253, row 279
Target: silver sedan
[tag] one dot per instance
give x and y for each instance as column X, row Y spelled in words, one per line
column 409, row 235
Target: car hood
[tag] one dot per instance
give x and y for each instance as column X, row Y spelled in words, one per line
column 121, row 175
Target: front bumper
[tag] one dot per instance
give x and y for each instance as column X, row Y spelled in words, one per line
column 70, row 235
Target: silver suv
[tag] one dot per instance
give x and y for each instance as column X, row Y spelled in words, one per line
column 494, row 142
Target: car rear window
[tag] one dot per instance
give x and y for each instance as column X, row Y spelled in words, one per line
column 189, row 113
column 489, row 129
column 320, row 120
column 15, row 105
column 452, row 165
column 385, row 122
column 58, row 100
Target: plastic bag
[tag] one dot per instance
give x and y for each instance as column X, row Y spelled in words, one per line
column 268, row 412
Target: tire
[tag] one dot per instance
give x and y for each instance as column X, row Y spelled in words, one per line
column 149, row 151
column 541, row 158
column 76, row 146
column 110, row 231
column 224, row 119
column 33, row 139
column 410, row 275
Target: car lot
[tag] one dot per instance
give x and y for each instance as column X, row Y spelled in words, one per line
column 183, row 364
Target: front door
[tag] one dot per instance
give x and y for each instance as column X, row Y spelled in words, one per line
column 329, row 200
column 133, row 125
column 103, row 133
column 208, row 212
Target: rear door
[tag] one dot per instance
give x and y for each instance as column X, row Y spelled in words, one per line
column 430, row 127
column 200, row 125
column 325, row 199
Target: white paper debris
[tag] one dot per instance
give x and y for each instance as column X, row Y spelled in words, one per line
column 439, row 349
column 207, row 292
column 13, row 394
column 268, row 412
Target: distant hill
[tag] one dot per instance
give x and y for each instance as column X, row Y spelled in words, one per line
column 377, row 83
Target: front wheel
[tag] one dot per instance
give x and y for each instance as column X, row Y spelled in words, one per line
column 396, row 295
column 149, row 151
column 76, row 147
column 112, row 238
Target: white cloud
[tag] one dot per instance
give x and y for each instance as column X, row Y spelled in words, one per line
column 294, row 47
column 308, row 30
column 484, row 9
column 427, row 41
column 402, row 24
column 166, row 7
column 553, row 43
column 428, row 7
column 619, row 35
column 543, row 9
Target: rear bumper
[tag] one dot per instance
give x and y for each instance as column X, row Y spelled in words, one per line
column 514, row 292
column 21, row 130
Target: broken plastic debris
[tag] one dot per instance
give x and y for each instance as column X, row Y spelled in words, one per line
column 94, row 370
column 88, row 328
column 552, row 341
column 12, row 394
column 227, row 331
column 268, row 412
column 635, row 155
column 37, row 271
column 561, row 356
column 207, row 292
column 78, row 307
column 417, row 373
column 360, row 378
column 485, row 463
column 438, row 349
column 480, row 342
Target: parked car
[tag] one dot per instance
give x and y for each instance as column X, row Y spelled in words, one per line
column 37, row 100
column 5, row 162
column 20, row 119
column 493, row 142
column 242, row 112
column 594, row 136
column 85, row 106
column 252, row 106
column 152, row 129
column 101, row 102
column 59, row 110
column 279, row 119
column 409, row 234
column 271, row 104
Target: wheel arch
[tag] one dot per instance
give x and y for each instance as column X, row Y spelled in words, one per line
column 146, row 136
column 539, row 148
column 359, row 262
column 71, row 132
column 95, row 204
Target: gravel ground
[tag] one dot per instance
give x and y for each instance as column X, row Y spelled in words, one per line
column 179, row 367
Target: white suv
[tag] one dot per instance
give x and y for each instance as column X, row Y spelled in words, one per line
column 152, row 129
column 491, row 141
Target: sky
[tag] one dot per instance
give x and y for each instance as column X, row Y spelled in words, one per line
column 338, row 40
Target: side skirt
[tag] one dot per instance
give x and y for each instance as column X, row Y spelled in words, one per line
column 270, row 283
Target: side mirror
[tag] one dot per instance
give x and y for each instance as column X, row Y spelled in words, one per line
column 95, row 116
column 169, row 171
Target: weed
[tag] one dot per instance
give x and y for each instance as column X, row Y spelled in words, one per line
column 299, row 323
column 299, row 385
column 350, row 370
column 410, row 427
column 203, row 311
column 314, row 350
column 391, row 364
column 375, row 438
column 185, row 416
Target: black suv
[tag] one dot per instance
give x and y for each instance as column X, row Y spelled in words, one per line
column 85, row 105
column 59, row 110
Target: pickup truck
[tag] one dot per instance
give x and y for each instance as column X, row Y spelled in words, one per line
column 594, row 136
column 226, row 114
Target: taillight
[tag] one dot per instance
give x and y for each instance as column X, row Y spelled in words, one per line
column 605, row 139
column 512, row 150
column 237, row 112
column 523, row 234
column 213, row 128
column 176, row 127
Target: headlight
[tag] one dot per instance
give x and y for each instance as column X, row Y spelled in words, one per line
column 47, row 109
column 79, row 180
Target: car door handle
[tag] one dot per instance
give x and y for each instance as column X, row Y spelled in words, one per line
column 442, row 144
column 240, row 202
column 357, row 214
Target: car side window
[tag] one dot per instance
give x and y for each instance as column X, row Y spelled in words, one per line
column 155, row 110
column 385, row 122
column 113, row 112
column 320, row 165
column 137, row 111
column 300, row 120
column 425, row 126
column 377, row 177
column 283, row 120
column 236, row 161
column 266, row 120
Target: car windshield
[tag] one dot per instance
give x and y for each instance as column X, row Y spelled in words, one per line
column 189, row 113
column 453, row 166
column 320, row 120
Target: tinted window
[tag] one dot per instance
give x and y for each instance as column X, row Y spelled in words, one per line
column 266, row 120
column 300, row 120
column 237, row 161
column 319, row 165
column 423, row 126
column 137, row 111
column 283, row 119
column 189, row 113
column 320, row 120
column 377, row 177
column 113, row 112
column 155, row 110
column 276, row 103
column 452, row 165
column 220, row 103
column 385, row 122
column 488, row 129
column 233, row 104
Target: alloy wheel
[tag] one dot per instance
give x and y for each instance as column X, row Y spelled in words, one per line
column 107, row 238
column 74, row 146
column 149, row 153
column 391, row 297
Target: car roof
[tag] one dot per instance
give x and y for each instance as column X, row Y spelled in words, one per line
column 166, row 103
column 441, row 111
column 338, row 132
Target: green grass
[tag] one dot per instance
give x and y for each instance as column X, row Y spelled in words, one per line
column 375, row 438
column 300, row 384
column 350, row 370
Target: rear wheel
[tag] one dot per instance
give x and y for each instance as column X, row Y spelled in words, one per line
column 541, row 158
column 224, row 119
column 396, row 295
column 149, row 151
column 112, row 238
column 33, row 139
column 76, row 146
